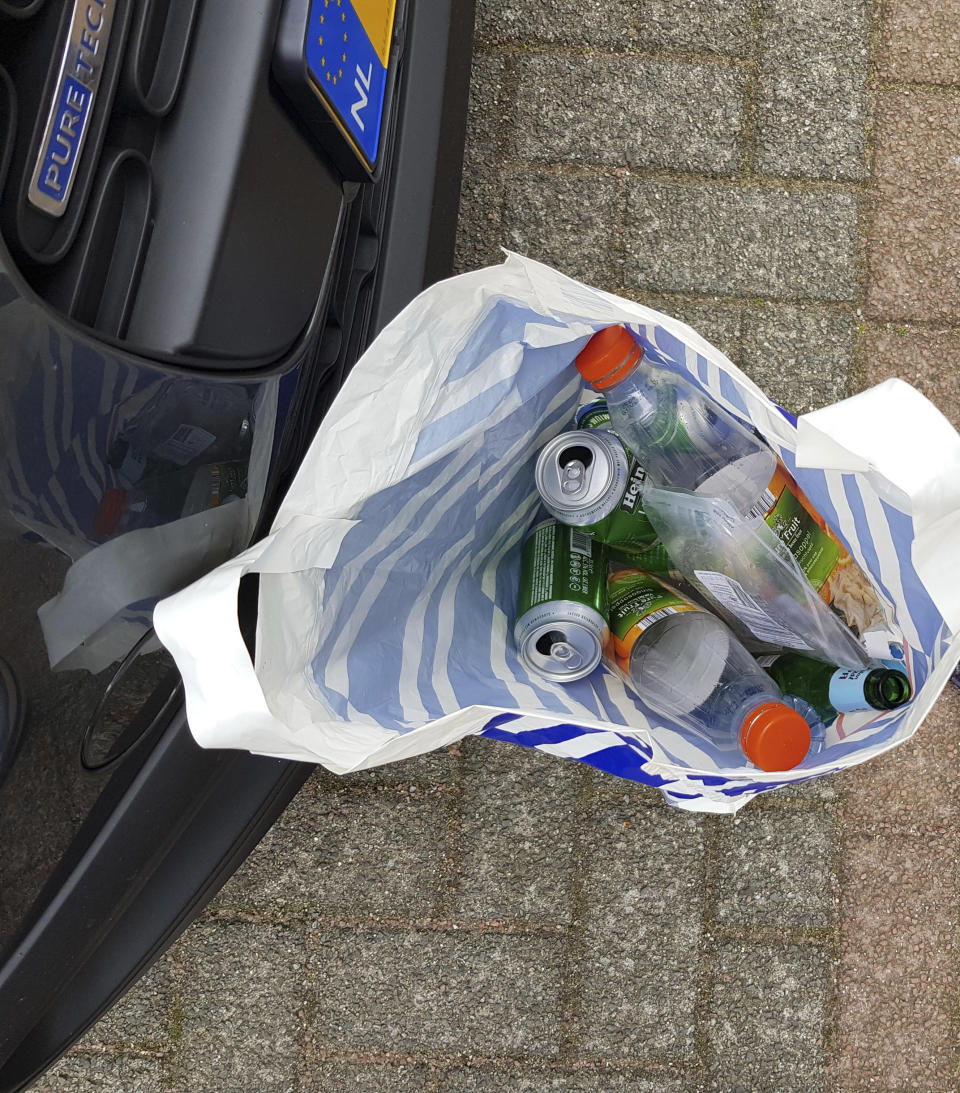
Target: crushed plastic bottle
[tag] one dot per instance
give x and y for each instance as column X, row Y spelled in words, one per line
column 681, row 437
column 728, row 512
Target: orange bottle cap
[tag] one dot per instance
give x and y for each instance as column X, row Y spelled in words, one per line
column 774, row 737
column 608, row 357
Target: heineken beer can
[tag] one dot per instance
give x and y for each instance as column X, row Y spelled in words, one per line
column 586, row 479
column 561, row 622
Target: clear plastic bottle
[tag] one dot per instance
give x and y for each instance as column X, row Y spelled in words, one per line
column 687, row 665
column 684, row 439
column 818, row 730
column 731, row 516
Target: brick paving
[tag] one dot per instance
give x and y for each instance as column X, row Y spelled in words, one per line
column 784, row 175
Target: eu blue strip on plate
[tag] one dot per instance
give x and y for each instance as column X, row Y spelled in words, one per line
column 347, row 72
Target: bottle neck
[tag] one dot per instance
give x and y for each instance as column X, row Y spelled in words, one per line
column 624, row 381
column 886, row 689
column 868, row 688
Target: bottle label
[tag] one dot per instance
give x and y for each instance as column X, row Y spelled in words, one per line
column 731, row 595
column 792, row 521
column 846, row 690
column 841, row 583
column 636, row 601
column 228, row 481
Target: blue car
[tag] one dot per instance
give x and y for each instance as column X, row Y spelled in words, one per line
column 207, row 211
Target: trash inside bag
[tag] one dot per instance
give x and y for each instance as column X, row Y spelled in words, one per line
column 388, row 587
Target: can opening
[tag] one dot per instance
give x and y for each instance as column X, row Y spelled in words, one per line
column 546, row 642
column 578, row 452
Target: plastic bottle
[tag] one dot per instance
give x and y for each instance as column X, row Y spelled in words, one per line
column 686, row 664
column 734, row 485
column 818, row 730
column 681, row 437
column 832, row 690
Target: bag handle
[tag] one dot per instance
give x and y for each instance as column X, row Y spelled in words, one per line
column 224, row 698
column 910, row 454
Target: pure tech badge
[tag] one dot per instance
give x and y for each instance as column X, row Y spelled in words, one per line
column 71, row 108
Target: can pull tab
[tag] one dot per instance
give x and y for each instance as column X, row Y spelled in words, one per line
column 566, row 655
column 573, row 478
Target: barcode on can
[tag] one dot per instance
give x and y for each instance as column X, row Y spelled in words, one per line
column 763, row 506
column 581, row 543
column 735, row 598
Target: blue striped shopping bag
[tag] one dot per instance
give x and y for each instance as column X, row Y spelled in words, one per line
column 388, row 582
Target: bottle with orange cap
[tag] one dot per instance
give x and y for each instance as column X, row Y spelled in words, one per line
column 686, row 665
column 686, row 441
column 681, row 437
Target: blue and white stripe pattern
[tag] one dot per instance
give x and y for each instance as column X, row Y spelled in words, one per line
column 61, row 402
column 56, row 404
column 419, row 608
column 56, row 412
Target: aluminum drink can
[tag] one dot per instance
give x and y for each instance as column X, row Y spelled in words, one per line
column 586, row 479
column 561, row 625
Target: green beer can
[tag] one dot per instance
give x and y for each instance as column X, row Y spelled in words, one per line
column 561, row 625
column 586, row 479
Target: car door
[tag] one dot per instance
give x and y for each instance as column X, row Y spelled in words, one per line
column 196, row 243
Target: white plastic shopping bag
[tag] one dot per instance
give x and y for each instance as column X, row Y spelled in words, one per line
column 388, row 583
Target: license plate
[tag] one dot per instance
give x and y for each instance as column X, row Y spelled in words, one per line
column 348, row 53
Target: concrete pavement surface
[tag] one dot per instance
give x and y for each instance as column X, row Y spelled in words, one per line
column 785, row 176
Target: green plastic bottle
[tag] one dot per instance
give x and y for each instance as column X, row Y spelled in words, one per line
column 832, row 690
